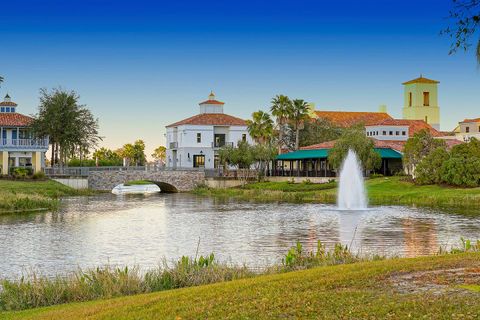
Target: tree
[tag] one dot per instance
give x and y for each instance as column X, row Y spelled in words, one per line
column 299, row 113
column 418, row 147
column 318, row 131
column 263, row 155
column 106, row 157
column 362, row 145
column 463, row 166
column 281, row 110
column 71, row 127
column 260, row 127
column 134, row 153
column 429, row 170
column 1, row 79
column 160, row 154
column 465, row 16
column 240, row 157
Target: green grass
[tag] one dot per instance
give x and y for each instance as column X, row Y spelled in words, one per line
column 33, row 195
column 354, row 291
column 137, row 183
column 381, row 191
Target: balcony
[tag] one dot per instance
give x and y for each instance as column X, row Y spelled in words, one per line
column 27, row 144
column 220, row 144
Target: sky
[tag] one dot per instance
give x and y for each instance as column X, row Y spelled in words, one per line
column 140, row 65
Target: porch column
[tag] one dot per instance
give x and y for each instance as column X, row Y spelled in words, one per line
column 37, row 161
column 5, row 162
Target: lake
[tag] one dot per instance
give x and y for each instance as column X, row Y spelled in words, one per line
column 143, row 230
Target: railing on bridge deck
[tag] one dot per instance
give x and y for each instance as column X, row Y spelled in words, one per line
column 85, row 171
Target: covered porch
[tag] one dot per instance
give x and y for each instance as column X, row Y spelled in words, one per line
column 314, row 163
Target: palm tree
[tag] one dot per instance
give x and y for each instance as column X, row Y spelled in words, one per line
column 281, row 109
column 260, row 127
column 1, row 79
column 299, row 113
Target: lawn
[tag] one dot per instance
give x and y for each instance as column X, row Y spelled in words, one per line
column 33, row 194
column 387, row 289
column 381, row 191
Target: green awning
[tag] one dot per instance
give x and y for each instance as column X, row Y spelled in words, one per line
column 323, row 153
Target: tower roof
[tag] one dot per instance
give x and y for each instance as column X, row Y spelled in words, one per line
column 421, row 79
column 211, row 99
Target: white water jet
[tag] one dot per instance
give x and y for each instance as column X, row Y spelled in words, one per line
column 351, row 190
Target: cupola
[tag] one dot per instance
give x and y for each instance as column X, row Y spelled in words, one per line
column 212, row 105
column 7, row 105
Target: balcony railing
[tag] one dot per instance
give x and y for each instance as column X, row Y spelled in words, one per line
column 24, row 143
column 222, row 144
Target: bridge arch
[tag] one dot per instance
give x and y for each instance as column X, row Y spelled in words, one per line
column 167, row 180
column 164, row 186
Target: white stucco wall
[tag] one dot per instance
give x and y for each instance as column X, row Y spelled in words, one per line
column 372, row 131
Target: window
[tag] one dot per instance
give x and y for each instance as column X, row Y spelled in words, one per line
column 384, row 133
column 12, row 109
column 2, row 109
column 198, row 161
column 404, row 133
column 376, row 133
column 397, row 133
column 409, row 99
column 391, row 133
column 467, row 129
column 8, row 109
column 199, row 137
column 244, row 137
column 426, row 98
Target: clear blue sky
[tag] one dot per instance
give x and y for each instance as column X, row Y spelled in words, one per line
column 140, row 65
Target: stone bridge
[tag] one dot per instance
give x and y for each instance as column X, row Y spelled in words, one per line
column 167, row 180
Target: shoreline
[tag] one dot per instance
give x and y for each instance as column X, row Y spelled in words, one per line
column 380, row 191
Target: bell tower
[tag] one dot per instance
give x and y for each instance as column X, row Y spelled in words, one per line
column 421, row 101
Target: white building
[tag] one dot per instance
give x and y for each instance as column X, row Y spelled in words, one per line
column 194, row 142
column 398, row 129
column 467, row 129
column 18, row 146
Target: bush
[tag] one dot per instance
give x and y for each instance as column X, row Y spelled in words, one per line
column 429, row 169
column 21, row 172
column 459, row 171
column 40, row 175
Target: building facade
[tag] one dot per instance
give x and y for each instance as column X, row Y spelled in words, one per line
column 194, row 142
column 18, row 146
column 421, row 101
column 467, row 129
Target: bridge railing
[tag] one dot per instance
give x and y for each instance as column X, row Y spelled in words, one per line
column 85, row 171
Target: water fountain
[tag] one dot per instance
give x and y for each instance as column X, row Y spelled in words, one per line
column 351, row 191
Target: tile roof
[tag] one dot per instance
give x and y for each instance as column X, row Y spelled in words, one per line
column 209, row 119
column 413, row 126
column 346, row 119
column 211, row 102
column 8, row 104
column 471, row 120
column 421, row 79
column 14, row 119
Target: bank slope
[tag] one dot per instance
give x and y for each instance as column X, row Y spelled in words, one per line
column 356, row 291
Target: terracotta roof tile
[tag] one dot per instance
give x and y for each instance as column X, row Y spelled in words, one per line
column 346, row 119
column 421, row 79
column 471, row 120
column 209, row 119
column 212, row 102
column 14, row 119
column 413, row 126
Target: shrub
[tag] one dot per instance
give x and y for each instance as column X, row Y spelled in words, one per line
column 40, row 175
column 460, row 171
column 21, row 172
column 429, row 169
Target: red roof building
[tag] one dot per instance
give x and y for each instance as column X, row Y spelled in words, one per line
column 346, row 119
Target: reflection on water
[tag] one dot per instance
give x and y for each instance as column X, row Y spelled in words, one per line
column 144, row 229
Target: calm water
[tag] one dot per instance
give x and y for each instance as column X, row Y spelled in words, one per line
column 144, row 229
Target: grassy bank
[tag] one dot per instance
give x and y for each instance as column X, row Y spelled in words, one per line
column 33, row 195
column 387, row 289
column 381, row 191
